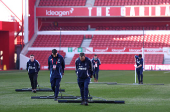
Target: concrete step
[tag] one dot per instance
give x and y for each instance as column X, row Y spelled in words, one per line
column 68, row 61
column 86, row 43
column 167, row 61
column 90, row 2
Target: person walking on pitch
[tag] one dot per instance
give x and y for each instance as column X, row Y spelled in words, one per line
column 84, row 70
column 56, row 65
column 139, row 68
column 33, row 68
column 96, row 63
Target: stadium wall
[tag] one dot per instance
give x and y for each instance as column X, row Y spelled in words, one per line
column 7, row 30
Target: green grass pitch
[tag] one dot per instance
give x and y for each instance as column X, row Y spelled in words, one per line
column 138, row 98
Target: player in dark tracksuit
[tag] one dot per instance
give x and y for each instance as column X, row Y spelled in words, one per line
column 56, row 66
column 139, row 68
column 33, row 68
column 84, row 70
column 96, row 62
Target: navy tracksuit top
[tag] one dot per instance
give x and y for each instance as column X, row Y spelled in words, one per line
column 139, row 62
column 97, row 61
column 33, row 67
column 84, row 68
column 59, row 63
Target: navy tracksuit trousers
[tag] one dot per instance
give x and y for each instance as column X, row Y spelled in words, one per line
column 95, row 73
column 55, row 85
column 140, row 74
column 83, row 85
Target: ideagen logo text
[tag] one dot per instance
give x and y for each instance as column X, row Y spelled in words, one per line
column 59, row 13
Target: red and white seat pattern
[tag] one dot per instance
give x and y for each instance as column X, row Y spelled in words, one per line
column 123, row 58
column 52, row 28
column 62, row 3
column 130, row 2
column 130, row 41
column 133, row 28
column 54, row 41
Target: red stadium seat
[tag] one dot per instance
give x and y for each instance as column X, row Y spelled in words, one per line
column 49, row 26
column 130, row 2
column 132, row 28
column 54, row 40
column 62, row 2
column 123, row 58
column 134, row 41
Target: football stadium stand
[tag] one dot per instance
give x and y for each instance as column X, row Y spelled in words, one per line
column 150, row 41
column 54, row 41
column 130, row 2
column 123, row 58
column 85, row 33
column 42, row 56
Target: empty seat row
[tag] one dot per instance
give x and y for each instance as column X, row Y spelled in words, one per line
column 47, row 28
column 62, row 2
column 134, row 41
column 54, row 41
column 132, row 28
column 52, row 27
column 130, row 2
column 123, row 58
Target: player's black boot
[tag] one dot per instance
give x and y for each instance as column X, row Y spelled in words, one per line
column 35, row 91
column 55, row 99
column 142, row 82
column 86, row 103
column 82, row 102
